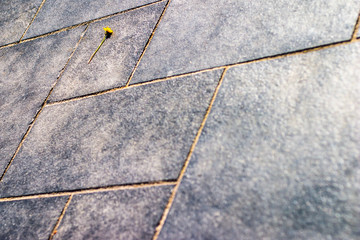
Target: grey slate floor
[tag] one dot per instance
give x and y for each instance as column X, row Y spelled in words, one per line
column 195, row 120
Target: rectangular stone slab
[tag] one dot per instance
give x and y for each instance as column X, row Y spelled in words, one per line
column 113, row 63
column 15, row 17
column 57, row 14
column 128, row 214
column 141, row 134
column 30, row 219
column 202, row 34
column 279, row 155
column 27, row 73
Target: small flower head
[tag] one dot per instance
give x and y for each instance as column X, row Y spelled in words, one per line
column 108, row 32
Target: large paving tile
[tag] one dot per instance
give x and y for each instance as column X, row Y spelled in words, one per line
column 29, row 219
column 27, row 72
column 57, row 14
column 136, row 135
column 112, row 65
column 130, row 214
column 15, row 18
column 201, row 34
column 279, row 155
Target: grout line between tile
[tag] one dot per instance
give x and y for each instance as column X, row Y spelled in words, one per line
column 42, row 107
column 91, row 190
column 124, row 87
column 272, row 57
column 85, row 96
column 80, row 24
column 147, row 43
column 37, row 12
column 186, row 164
column 54, row 231
column 356, row 28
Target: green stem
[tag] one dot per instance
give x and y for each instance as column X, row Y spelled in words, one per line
column 92, row 56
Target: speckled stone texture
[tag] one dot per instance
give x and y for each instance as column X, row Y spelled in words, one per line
column 57, row 14
column 200, row 34
column 140, row 134
column 27, row 73
column 15, row 17
column 113, row 63
column 29, row 219
column 129, row 214
column 279, row 155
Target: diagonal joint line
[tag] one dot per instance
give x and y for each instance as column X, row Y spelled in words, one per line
column 266, row 58
column 186, row 164
column 91, row 190
column 37, row 12
column 356, row 28
column 54, row 231
column 147, row 43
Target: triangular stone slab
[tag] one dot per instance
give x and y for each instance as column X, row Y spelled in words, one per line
column 128, row 214
column 113, row 63
column 30, row 219
column 27, row 73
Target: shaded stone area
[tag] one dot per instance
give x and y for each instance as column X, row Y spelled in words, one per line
column 129, row 214
column 201, row 34
column 113, row 63
column 15, row 17
column 140, row 134
column 30, row 219
column 57, row 14
column 279, row 155
column 27, row 73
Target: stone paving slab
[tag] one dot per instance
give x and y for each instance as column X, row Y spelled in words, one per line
column 140, row 134
column 30, row 219
column 278, row 157
column 27, row 73
column 202, row 34
column 15, row 17
column 112, row 65
column 57, row 14
column 129, row 214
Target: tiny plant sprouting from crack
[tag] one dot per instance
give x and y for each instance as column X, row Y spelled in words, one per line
column 108, row 32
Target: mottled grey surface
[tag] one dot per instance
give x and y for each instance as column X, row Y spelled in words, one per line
column 136, row 135
column 279, row 154
column 57, row 14
column 199, row 34
column 29, row 219
column 27, row 72
column 15, row 16
column 113, row 63
column 129, row 214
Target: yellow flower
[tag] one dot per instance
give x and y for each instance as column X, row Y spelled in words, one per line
column 108, row 31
